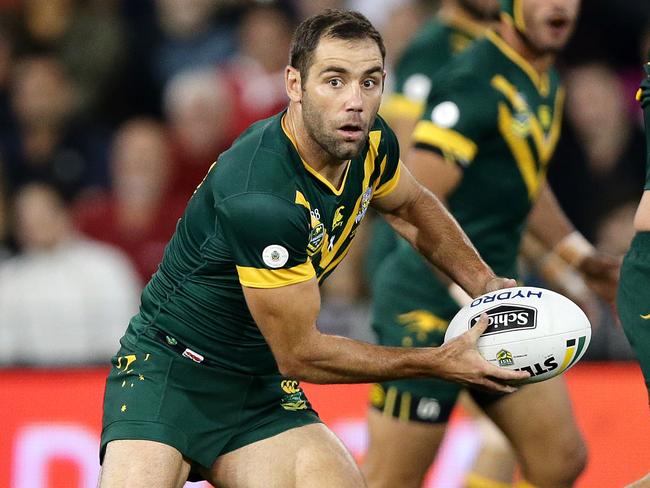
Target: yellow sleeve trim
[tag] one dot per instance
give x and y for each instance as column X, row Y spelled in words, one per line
column 388, row 187
column 275, row 278
column 639, row 94
column 447, row 140
column 398, row 105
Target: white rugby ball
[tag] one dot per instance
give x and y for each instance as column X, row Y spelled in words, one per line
column 530, row 329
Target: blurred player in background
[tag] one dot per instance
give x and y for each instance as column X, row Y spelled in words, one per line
column 206, row 384
column 492, row 121
column 633, row 299
column 457, row 24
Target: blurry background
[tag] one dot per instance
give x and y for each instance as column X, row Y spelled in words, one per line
column 111, row 112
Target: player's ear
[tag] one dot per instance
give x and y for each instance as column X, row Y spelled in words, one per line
column 293, row 84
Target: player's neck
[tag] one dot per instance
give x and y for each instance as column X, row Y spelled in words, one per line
column 311, row 153
column 541, row 62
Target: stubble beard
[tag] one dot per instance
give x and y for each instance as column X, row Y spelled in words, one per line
column 336, row 147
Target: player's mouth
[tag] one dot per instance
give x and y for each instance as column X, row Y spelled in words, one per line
column 351, row 132
column 559, row 24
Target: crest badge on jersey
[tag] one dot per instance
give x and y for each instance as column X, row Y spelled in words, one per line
column 316, row 236
column 365, row 202
column 275, row 256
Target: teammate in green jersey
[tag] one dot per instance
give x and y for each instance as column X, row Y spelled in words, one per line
column 206, row 384
column 633, row 301
column 457, row 24
column 455, row 27
column 489, row 130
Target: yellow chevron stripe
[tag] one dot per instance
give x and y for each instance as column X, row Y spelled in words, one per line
column 447, row 140
column 521, row 152
column 368, row 165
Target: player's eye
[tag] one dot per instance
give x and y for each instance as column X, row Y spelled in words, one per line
column 335, row 82
column 369, row 83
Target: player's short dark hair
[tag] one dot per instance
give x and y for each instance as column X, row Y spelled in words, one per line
column 333, row 24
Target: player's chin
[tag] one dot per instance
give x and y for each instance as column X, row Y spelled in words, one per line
column 349, row 149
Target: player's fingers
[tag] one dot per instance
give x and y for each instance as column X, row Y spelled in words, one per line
column 476, row 331
column 499, row 283
column 503, row 374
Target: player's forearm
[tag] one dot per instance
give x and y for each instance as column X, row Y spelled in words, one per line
column 441, row 240
column 547, row 221
column 335, row 359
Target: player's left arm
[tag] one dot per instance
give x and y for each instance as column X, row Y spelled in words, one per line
column 433, row 231
column 548, row 223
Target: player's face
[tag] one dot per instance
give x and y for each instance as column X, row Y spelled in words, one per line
column 550, row 23
column 482, row 9
column 341, row 95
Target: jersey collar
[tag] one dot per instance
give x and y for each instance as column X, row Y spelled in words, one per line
column 541, row 81
column 312, row 171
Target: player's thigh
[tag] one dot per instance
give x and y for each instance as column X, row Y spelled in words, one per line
column 539, row 422
column 137, row 463
column 307, row 457
column 399, row 451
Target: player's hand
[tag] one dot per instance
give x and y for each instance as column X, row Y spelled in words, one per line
column 601, row 272
column 499, row 283
column 462, row 363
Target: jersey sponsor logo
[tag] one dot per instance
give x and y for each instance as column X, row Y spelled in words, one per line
column 645, row 317
column 504, row 318
column 365, row 202
column 504, row 358
column 275, row 256
column 293, row 398
column 338, row 217
column 290, row 386
column 445, row 115
column 316, row 236
column 194, row 356
column 417, row 87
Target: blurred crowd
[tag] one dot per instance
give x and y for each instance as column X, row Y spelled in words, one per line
column 111, row 112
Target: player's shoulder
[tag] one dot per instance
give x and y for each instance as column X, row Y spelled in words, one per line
column 382, row 138
column 426, row 52
column 431, row 38
column 259, row 161
column 468, row 74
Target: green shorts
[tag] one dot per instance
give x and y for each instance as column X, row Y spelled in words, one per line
column 412, row 308
column 633, row 300
column 154, row 393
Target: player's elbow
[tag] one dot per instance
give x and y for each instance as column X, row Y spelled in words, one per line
column 292, row 366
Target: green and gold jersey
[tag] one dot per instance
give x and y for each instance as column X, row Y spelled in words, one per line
column 431, row 49
column 261, row 218
column 492, row 114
